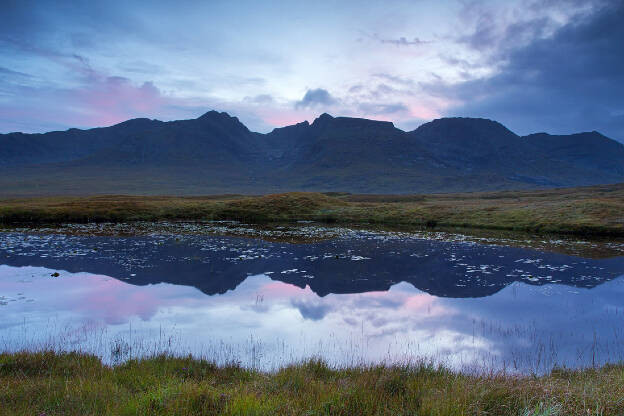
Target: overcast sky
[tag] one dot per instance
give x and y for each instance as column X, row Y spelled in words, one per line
column 534, row 65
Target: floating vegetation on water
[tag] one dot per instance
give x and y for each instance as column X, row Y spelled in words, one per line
column 144, row 246
column 309, row 232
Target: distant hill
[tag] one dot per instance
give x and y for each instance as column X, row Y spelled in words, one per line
column 216, row 153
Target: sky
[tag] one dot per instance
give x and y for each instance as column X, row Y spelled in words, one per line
column 534, row 65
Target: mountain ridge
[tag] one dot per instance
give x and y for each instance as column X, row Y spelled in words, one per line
column 217, row 153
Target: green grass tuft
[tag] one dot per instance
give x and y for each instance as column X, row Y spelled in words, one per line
column 78, row 384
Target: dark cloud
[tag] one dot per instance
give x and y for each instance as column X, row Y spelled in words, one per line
column 494, row 31
column 314, row 98
column 572, row 80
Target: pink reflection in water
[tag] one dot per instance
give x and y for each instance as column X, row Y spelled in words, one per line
column 94, row 297
column 279, row 289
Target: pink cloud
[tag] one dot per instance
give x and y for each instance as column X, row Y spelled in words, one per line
column 423, row 112
column 111, row 100
column 282, row 116
column 431, row 107
column 98, row 102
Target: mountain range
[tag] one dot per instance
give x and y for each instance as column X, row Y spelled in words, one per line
column 216, row 153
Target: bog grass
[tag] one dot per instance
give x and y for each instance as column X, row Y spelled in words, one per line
column 597, row 210
column 49, row 383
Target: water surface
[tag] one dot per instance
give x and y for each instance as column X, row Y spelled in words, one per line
column 354, row 297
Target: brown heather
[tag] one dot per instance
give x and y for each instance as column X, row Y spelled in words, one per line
column 597, row 210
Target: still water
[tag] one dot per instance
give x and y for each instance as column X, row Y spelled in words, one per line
column 348, row 296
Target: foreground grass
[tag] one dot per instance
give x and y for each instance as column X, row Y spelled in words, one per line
column 595, row 210
column 46, row 383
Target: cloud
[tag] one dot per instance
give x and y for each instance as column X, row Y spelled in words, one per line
column 261, row 99
column 141, row 67
column 402, row 41
column 393, row 97
column 316, row 97
column 503, row 60
column 382, row 109
column 94, row 99
column 394, row 79
column 492, row 29
column 116, row 99
column 356, row 89
column 10, row 72
column 572, row 80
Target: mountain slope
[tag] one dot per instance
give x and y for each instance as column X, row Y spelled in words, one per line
column 589, row 150
column 18, row 149
column 480, row 147
column 216, row 153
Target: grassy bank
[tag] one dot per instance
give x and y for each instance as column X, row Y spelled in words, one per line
column 595, row 210
column 49, row 384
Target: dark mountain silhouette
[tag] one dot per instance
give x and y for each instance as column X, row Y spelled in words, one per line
column 591, row 150
column 216, row 153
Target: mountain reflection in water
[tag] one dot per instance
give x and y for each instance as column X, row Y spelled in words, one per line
column 349, row 300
